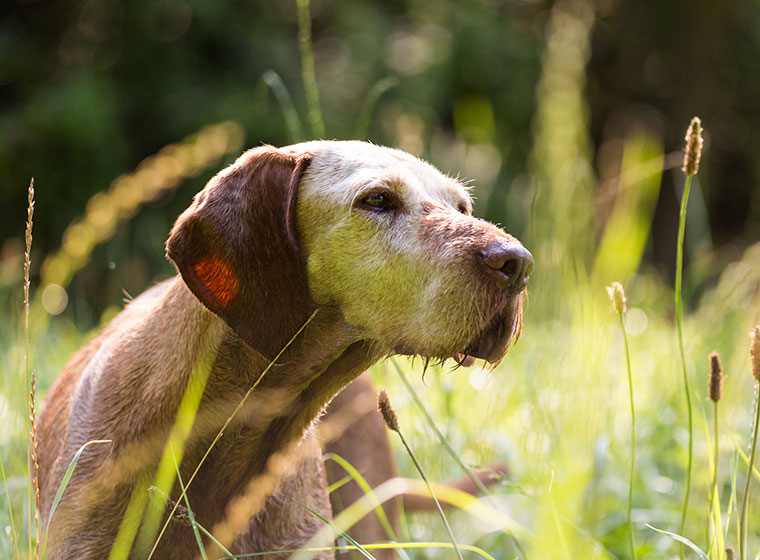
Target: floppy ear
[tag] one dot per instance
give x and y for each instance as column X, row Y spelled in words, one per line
column 237, row 249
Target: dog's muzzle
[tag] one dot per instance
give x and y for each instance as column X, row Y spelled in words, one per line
column 511, row 264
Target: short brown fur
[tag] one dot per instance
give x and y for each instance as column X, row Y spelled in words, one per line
column 241, row 294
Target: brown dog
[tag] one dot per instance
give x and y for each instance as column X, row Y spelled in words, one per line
column 374, row 251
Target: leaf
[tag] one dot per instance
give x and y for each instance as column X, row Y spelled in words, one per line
column 682, row 540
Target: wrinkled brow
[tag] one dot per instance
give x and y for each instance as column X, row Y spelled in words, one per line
column 394, row 183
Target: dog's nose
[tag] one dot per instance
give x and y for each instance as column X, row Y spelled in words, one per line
column 510, row 260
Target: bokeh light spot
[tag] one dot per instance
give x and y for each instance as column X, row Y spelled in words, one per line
column 54, row 299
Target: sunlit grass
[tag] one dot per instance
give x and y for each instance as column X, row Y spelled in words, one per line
column 391, row 420
column 714, row 521
column 617, row 296
column 692, row 153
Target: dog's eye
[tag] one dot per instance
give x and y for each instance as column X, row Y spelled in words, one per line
column 379, row 201
column 462, row 208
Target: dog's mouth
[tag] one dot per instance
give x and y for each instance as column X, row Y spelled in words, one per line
column 492, row 344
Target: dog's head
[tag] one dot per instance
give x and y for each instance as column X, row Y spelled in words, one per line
column 375, row 232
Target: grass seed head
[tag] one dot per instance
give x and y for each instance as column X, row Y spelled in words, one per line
column 617, row 297
column 754, row 352
column 730, row 553
column 693, row 150
column 716, row 377
column 386, row 409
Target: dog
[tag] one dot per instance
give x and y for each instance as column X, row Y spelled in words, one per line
column 298, row 268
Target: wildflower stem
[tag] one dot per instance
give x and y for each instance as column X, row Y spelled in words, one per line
column 679, row 280
column 432, row 494
column 714, row 486
column 633, row 437
column 442, row 438
column 745, row 499
column 391, row 420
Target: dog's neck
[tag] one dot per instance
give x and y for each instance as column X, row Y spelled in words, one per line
column 289, row 395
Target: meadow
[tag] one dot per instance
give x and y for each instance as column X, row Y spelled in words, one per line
column 557, row 409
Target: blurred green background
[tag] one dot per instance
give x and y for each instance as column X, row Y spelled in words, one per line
column 569, row 118
column 88, row 89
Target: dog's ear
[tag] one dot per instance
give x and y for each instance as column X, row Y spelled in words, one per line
column 237, row 250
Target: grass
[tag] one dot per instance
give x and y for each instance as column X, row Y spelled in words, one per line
column 714, row 521
column 617, row 295
column 692, row 153
column 755, row 353
column 31, row 451
column 554, row 408
column 391, row 420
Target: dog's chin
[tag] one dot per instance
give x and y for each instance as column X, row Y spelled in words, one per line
column 491, row 344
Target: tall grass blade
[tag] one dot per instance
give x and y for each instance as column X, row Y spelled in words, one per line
column 131, row 519
column 190, row 515
column 379, row 546
column 366, row 488
column 213, row 539
column 432, row 495
column 745, row 498
column 715, row 495
column 619, row 304
column 10, row 508
column 447, row 445
column 692, row 154
column 27, row 385
column 682, row 353
column 63, row 485
column 307, row 68
column 391, row 420
column 714, row 527
column 343, row 534
column 338, row 484
column 197, row 527
column 682, row 540
column 175, row 446
column 373, row 96
column 558, row 522
column 631, row 540
column 35, row 478
column 744, row 457
column 289, row 113
column 734, row 498
column 442, row 438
